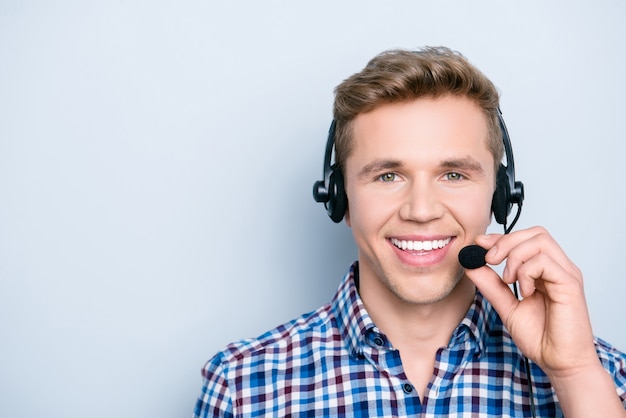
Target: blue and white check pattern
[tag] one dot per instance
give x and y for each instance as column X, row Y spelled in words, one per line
column 335, row 362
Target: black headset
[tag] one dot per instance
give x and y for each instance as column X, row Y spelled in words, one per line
column 331, row 190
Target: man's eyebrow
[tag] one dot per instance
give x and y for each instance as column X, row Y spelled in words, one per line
column 377, row 166
column 467, row 163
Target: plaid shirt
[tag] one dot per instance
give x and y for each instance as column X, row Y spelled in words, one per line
column 336, row 362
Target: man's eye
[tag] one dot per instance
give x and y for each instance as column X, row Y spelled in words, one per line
column 454, row 176
column 387, row 177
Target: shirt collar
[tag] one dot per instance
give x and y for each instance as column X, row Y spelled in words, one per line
column 352, row 319
column 479, row 320
column 355, row 323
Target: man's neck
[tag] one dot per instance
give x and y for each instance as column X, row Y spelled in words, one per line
column 416, row 326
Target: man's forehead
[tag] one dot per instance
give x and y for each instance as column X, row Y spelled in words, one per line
column 450, row 129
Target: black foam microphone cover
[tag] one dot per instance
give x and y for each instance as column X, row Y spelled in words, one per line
column 472, row 256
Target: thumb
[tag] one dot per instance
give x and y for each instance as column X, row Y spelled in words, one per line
column 493, row 289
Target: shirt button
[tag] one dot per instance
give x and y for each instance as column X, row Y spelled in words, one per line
column 407, row 388
column 379, row 341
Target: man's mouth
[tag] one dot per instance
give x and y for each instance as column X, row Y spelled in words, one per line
column 420, row 245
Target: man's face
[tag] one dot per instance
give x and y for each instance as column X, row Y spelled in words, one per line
column 419, row 181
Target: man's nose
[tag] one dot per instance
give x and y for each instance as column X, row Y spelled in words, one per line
column 422, row 202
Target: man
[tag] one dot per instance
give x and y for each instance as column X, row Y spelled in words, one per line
column 418, row 146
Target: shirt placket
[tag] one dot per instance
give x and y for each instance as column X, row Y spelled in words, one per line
column 449, row 364
column 404, row 397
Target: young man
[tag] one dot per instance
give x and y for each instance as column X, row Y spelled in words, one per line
column 418, row 146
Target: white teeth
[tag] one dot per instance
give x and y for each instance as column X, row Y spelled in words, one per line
column 420, row 245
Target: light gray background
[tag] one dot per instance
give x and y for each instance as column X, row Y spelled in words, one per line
column 157, row 160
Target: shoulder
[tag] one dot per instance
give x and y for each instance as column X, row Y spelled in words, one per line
column 609, row 353
column 614, row 362
column 249, row 362
column 300, row 334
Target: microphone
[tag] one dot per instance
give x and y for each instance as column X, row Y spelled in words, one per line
column 472, row 256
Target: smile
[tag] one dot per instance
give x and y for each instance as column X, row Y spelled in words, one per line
column 420, row 245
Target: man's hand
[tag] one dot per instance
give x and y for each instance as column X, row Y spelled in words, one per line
column 551, row 324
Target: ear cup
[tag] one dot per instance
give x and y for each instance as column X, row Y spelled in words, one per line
column 501, row 202
column 337, row 199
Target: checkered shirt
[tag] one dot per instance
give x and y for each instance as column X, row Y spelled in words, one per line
column 335, row 362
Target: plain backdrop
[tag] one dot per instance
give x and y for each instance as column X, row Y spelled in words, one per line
column 157, row 160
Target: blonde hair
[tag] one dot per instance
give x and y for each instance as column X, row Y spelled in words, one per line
column 401, row 75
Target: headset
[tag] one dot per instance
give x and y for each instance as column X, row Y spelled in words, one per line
column 331, row 189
